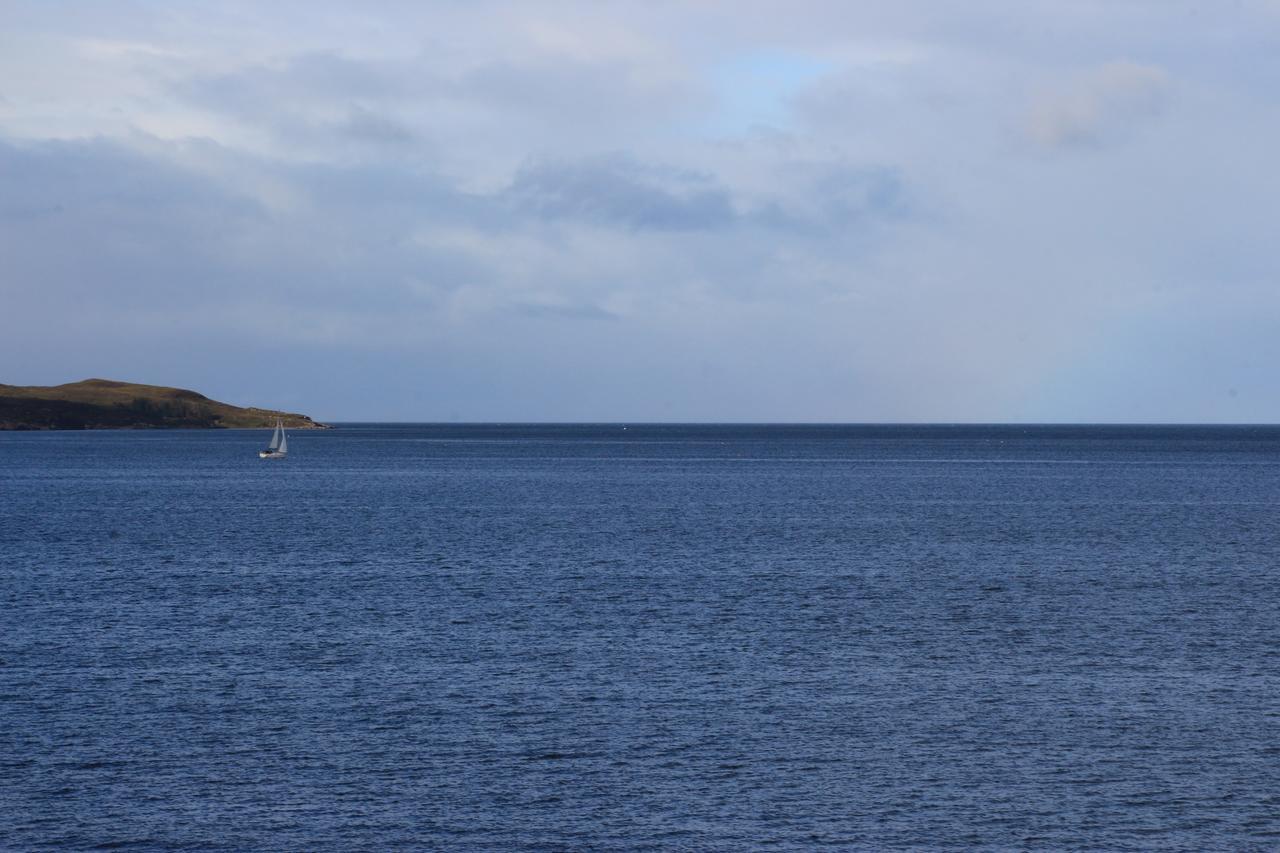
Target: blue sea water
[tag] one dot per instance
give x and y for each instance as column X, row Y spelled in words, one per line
column 660, row 637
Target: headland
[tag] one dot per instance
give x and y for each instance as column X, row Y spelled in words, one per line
column 108, row 404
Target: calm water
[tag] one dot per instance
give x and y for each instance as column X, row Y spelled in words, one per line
column 536, row 637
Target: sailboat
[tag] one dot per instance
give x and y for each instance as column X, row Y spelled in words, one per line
column 279, row 446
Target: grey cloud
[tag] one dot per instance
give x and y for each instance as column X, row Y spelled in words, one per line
column 315, row 98
column 617, row 191
column 566, row 311
column 308, row 77
column 400, row 190
column 88, row 215
column 96, row 173
column 366, row 125
column 593, row 96
column 829, row 197
column 855, row 193
column 97, row 223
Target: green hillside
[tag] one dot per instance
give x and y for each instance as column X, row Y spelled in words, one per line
column 106, row 404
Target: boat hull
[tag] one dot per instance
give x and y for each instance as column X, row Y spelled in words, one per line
column 271, row 454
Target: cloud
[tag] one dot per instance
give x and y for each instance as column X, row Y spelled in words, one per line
column 96, row 219
column 315, row 99
column 620, row 191
column 681, row 211
column 585, row 312
column 835, row 197
column 527, row 97
column 365, row 125
column 1097, row 105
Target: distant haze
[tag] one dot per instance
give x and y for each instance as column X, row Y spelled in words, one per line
column 685, row 211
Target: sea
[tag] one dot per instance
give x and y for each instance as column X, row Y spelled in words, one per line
column 641, row 637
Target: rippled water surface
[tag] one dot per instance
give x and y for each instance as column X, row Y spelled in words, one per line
column 540, row 637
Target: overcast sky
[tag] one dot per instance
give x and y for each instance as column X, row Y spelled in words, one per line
column 690, row 211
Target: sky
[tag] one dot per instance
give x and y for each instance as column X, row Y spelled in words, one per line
column 818, row 210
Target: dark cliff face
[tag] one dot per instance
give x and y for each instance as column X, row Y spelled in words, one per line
column 106, row 404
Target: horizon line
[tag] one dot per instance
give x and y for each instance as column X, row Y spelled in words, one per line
column 627, row 423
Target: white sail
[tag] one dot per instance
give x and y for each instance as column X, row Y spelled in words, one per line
column 279, row 445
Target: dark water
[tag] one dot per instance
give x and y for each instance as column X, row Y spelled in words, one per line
column 659, row 638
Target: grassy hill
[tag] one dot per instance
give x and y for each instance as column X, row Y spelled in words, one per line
column 106, row 404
